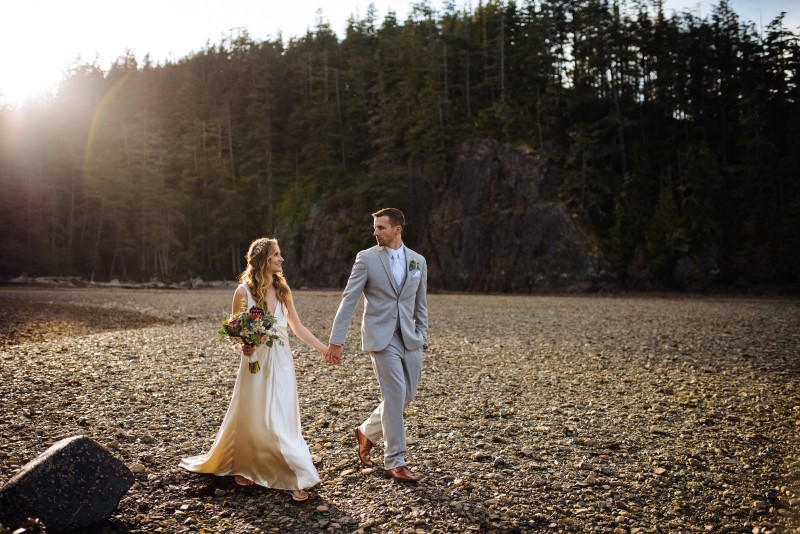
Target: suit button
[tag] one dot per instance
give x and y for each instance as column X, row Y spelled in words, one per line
column 394, row 316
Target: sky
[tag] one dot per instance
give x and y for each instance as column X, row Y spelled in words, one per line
column 39, row 39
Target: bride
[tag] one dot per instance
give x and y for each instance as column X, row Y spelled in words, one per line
column 260, row 440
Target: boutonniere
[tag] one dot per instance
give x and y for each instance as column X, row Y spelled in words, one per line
column 413, row 265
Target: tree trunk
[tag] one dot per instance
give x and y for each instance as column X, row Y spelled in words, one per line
column 446, row 91
column 485, row 50
column 620, row 130
column 325, row 71
column 230, row 140
column 341, row 120
column 502, row 57
column 467, row 87
column 269, row 171
column 539, row 118
column 83, row 221
column 99, row 235
column 219, row 142
column 310, row 78
column 143, row 261
column 71, row 224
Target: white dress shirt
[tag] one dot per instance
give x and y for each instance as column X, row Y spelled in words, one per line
column 397, row 260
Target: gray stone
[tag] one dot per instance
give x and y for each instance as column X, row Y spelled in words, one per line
column 74, row 484
column 499, row 462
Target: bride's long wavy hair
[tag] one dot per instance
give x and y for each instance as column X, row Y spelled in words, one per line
column 257, row 275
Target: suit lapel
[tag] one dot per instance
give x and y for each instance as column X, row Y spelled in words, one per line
column 410, row 255
column 383, row 256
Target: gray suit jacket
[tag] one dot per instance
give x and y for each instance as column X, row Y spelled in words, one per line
column 384, row 302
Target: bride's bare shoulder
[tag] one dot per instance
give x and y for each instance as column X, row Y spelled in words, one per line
column 239, row 297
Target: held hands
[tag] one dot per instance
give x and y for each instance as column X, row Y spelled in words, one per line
column 248, row 350
column 333, row 355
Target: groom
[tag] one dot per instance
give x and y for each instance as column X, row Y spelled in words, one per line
column 394, row 330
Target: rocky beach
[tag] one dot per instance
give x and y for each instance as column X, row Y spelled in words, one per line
column 621, row 413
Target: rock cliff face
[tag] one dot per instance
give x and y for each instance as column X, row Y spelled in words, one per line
column 495, row 224
column 313, row 255
column 498, row 226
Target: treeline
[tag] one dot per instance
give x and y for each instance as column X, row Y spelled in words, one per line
column 675, row 135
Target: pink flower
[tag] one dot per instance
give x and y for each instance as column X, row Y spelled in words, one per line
column 255, row 313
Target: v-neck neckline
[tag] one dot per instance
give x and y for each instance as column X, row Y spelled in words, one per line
column 255, row 302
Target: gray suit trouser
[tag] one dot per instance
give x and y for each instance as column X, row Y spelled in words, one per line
column 398, row 371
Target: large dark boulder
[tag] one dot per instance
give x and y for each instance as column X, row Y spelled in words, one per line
column 74, row 484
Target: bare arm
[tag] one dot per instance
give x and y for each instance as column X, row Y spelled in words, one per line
column 240, row 304
column 303, row 333
column 239, row 301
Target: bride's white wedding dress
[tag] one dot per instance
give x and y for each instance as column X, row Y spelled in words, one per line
column 260, row 437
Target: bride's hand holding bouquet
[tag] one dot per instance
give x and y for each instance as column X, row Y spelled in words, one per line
column 250, row 329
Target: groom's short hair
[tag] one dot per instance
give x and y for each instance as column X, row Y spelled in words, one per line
column 396, row 216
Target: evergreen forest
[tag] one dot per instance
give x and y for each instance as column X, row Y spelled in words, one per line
column 672, row 134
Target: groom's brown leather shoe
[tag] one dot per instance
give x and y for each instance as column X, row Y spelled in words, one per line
column 364, row 446
column 402, row 474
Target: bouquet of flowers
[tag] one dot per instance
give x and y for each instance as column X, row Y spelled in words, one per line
column 252, row 328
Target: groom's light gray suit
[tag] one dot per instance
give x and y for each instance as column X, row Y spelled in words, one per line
column 394, row 330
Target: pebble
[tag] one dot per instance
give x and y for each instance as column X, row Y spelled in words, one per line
column 137, row 468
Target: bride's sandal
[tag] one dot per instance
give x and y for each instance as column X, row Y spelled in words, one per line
column 242, row 481
column 298, row 495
